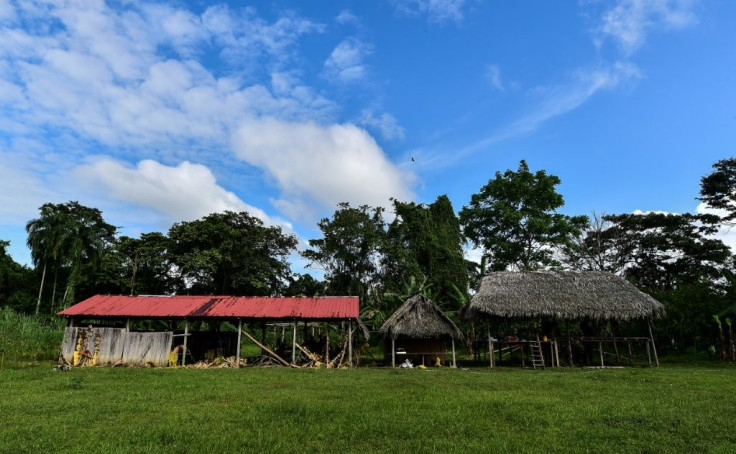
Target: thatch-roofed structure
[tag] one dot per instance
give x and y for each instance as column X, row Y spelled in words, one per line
column 561, row 295
column 419, row 329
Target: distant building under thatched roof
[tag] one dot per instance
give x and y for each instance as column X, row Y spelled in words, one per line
column 561, row 295
column 418, row 330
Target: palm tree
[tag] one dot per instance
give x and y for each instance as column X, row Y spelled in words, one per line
column 45, row 236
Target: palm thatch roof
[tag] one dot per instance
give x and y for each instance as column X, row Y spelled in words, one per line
column 561, row 294
column 419, row 318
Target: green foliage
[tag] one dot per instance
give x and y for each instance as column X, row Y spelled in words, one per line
column 349, row 250
column 230, row 254
column 69, row 237
column 664, row 250
column 718, row 189
column 513, row 219
column 16, row 282
column 304, row 285
column 28, row 337
column 426, row 240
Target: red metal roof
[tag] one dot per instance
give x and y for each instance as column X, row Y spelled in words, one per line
column 338, row 307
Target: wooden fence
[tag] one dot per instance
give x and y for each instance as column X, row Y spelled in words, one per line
column 110, row 346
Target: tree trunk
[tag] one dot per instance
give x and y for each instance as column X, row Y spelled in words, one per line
column 40, row 289
column 53, row 292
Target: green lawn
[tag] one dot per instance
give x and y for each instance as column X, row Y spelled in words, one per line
column 671, row 409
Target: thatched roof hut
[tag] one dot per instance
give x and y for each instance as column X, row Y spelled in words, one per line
column 561, row 295
column 420, row 318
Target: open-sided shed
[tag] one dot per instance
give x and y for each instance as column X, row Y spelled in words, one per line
column 562, row 295
column 108, row 345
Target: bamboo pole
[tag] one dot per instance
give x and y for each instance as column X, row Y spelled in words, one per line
column 237, row 347
column 184, row 350
column 350, row 344
column 454, row 363
column 569, row 349
column 393, row 353
column 293, row 345
column 651, row 337
column 490, row 347
column 266, row 349
column 327, row 348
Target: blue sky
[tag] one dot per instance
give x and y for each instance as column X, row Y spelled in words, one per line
column 163, row 112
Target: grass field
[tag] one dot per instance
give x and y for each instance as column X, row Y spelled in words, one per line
column 671, row 409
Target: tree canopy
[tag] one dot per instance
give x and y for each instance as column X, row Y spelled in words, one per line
column 514, row 220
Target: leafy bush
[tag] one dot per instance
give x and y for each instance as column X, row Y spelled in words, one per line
column 28, row 337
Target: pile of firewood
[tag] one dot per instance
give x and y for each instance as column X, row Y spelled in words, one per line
column 218, row 363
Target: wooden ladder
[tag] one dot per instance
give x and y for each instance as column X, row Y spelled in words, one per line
column 536, row 354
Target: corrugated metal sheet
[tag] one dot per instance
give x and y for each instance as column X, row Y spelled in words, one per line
column 339, row 307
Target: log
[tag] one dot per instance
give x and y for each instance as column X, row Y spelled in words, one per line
column 266, row 349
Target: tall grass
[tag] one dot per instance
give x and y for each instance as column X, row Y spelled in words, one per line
column 28, row 337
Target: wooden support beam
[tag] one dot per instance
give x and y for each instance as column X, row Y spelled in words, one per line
column 557, row 353
column 649, row 353
column 490, row 346
column 491, row 352
column 266, row 349
column 237, row 347
column 327, row 348
column 393, row 353
column 569, row 349
column 184, row 350
column 350, row 343
column 454, row 364
column 654, row 348
column 293, row 345
column 600, row 350
column 127, row 325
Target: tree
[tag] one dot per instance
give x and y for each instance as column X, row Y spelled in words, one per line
column 148, row 264
column 718, row 189
column 514, row 219
column 426, row 240
column 667, row 250
column 350, row 250
column 16, row 282
column 231, row 253
column 601, row 246
column 46, row 236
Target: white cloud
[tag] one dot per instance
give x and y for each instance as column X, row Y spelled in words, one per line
column 329, row 164
column 346, row 17
column 345, row 63
column 130, row 77
column 385, row 124
column 554, row 101
column 436, row 11
column 493, row 76
column 7, row 12
column 629, row 21
column 181, row 193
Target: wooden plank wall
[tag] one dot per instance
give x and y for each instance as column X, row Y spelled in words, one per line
column 116, row 345
column 143, row 348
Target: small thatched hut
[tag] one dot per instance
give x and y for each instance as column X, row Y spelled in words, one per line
column 555, row 295
column 418, row 331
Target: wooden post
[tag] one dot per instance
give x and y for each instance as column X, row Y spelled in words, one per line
column 569, row 349
column 600, row 350
column 454, row 364
column 649, row 353
column 350, row 344
column 491, row 351
column 127, row 325
column 327, row 348
column 186, row 337
column 293, row 345
column 393, row 353
column 557, row 353
column 615, row 346
column 490, row 347
column 237, row 347
column 631, row 354
column 651, row 338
